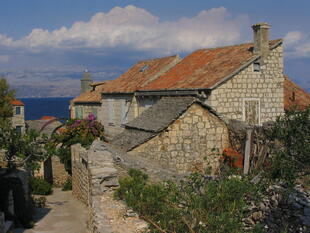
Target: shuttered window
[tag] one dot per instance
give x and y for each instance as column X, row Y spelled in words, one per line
column 111, row 111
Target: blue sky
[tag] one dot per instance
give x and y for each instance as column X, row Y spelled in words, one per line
column 109, row 36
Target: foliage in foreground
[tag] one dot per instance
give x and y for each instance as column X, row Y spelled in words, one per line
column 76, row 131
column 39, row 186
column 199, row 204
column 291, row 134
column 67, row 185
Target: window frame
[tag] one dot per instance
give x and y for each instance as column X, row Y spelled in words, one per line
column 244, row 110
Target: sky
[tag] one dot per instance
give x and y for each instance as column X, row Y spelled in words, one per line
column 47, row 44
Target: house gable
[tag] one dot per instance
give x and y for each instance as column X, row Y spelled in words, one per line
column 193, row 141
column 263, row 90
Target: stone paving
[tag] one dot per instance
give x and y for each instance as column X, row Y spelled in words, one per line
column 63, row 213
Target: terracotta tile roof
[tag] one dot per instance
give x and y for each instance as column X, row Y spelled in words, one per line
column 141, row 74
column 295, row 96
column 93, row 96
column 17, row 102
column 205, row 68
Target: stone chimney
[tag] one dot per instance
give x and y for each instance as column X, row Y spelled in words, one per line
column 261, row 39
column 85, row 82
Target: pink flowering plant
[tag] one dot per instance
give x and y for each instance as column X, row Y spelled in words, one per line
column 81, row 131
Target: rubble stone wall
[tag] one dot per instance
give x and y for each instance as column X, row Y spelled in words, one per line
column 265, row 85
column 80, row 181
column 184, row 145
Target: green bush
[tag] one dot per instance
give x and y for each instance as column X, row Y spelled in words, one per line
column 291, row 132
column 196, row 205
column 67, row 185
column 40, row 187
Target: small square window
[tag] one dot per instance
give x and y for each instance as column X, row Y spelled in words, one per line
column 18, row 129
column 256, row 67
column 17, row 111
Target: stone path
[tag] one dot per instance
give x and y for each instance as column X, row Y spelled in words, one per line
column 63, row 213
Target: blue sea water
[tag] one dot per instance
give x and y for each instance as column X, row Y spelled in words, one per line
column 35, row 108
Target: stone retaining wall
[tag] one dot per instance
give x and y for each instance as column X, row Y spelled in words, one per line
column 80, row 180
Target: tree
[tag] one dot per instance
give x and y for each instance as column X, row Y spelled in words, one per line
column 6, row 110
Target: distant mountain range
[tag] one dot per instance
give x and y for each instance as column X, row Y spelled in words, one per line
column 52, row 83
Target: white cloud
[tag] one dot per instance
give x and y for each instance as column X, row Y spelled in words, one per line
column 292, row 38
column 297, row 44
column 137, row 29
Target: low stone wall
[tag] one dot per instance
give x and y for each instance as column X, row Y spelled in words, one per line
column 60, row 175
column 80, row 180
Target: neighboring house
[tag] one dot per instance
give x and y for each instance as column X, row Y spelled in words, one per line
column 177, row 133
column 294, row 96
column 89, row 101
column 51, row 169
column 119, row 103
column 18, row 119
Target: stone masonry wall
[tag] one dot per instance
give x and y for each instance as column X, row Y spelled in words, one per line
column 80, row 180
column 183, row 146
column 60, row 175
column 266, row 85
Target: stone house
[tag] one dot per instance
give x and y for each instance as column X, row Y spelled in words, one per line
column 18, row 119
column 119, row 102
column 52, row 170
column 177, row 133
column 89, row 101
column 294, row 96
column 243, row 82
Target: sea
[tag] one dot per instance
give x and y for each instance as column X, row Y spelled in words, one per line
column 35, row 108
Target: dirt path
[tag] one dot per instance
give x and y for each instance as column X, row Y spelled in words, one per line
column 63, row 213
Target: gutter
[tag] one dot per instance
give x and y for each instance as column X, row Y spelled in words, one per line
column 171, row 92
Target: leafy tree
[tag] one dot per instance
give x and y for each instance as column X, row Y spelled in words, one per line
column 6, row 109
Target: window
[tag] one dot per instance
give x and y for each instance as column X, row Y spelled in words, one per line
column 124, row 111
column 17, row 110
column 144, row 68
column 110, row 111
column 293, row 97
column 18, row 129
column 251, row 111
column 256, row 67
column 94, row 112
column 78, row 112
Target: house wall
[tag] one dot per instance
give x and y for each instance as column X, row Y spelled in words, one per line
column 183, row 146
column 86, row 110
column 117, row 110
column 266, row 86
column 19, row 120
column 124, row 109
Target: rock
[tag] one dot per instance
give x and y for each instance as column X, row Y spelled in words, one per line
column 131, row 213
column 257, row 215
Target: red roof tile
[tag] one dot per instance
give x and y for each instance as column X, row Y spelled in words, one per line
column 93, row 96
column 17, row 102
column 141, row 74
column 295, row 96
column 205, row 67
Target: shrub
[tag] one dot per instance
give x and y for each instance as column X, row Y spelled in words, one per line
column 67, row 185
column 198, row 204
column 40, row 187
column 291, row 155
